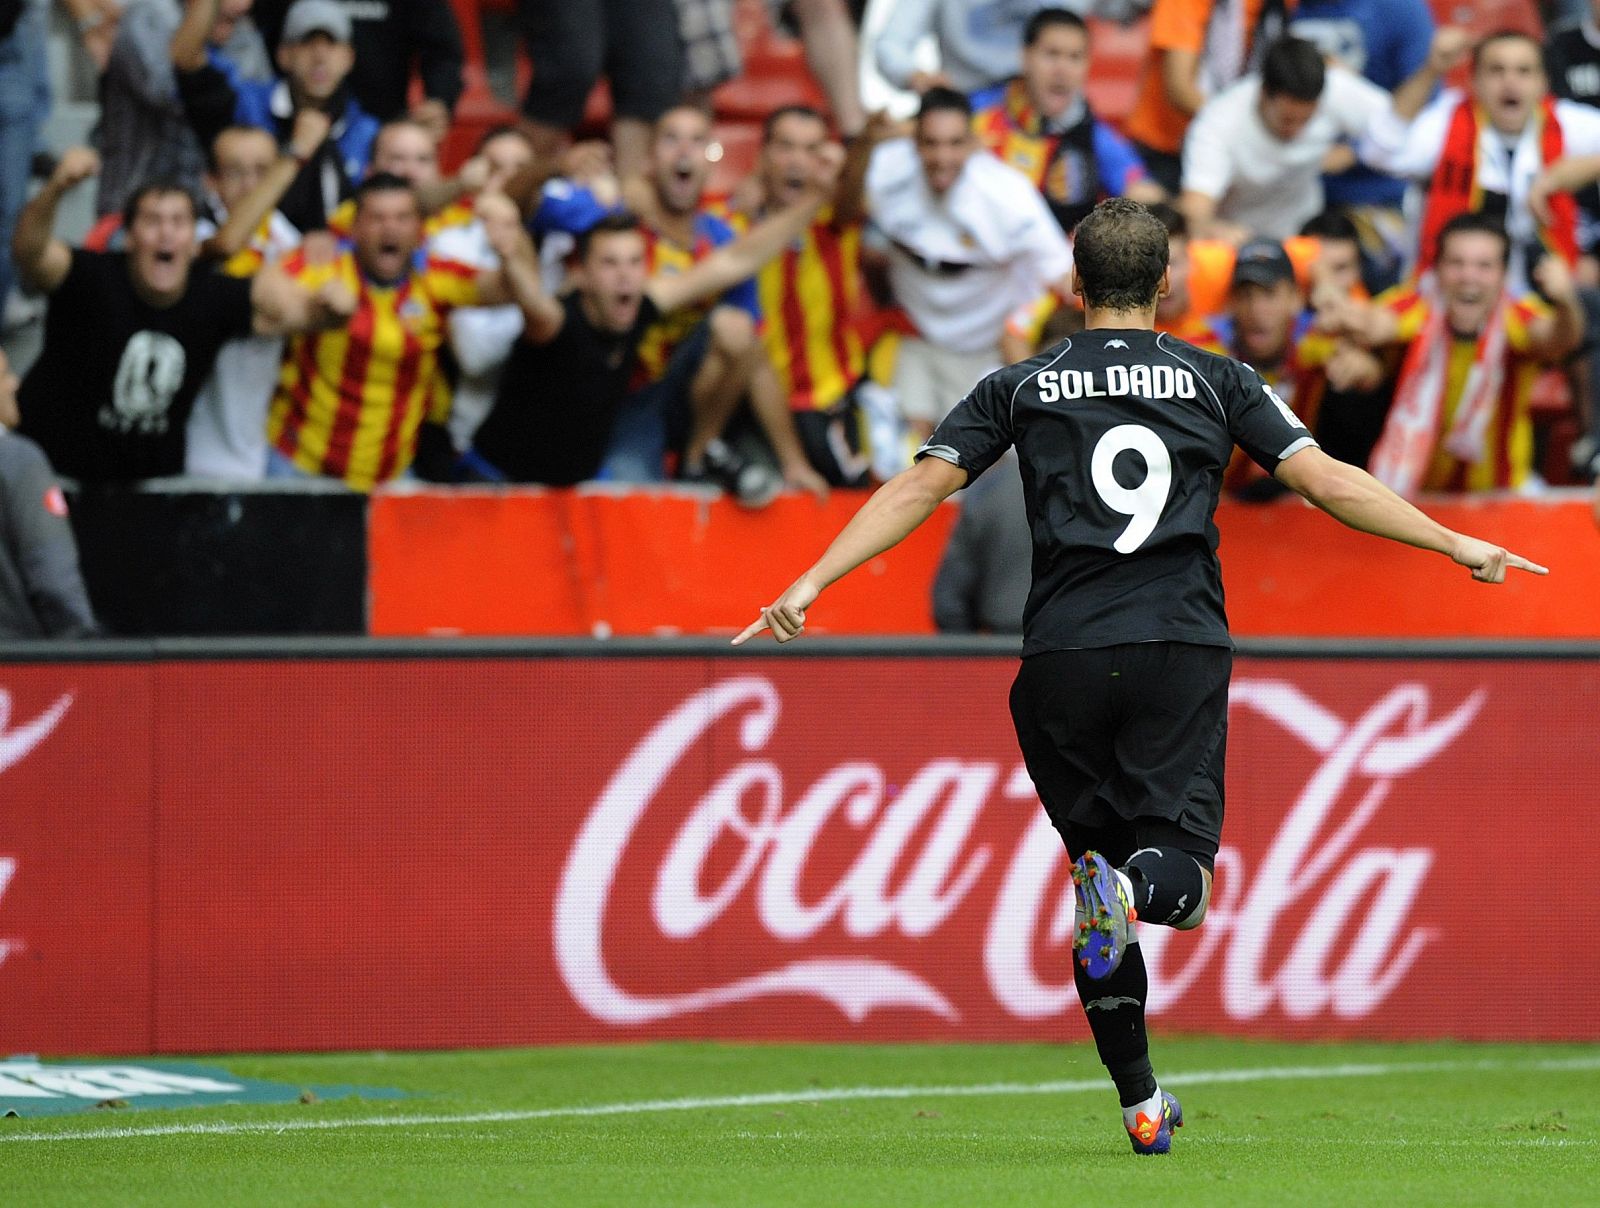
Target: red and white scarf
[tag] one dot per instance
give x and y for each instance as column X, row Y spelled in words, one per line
column 1410, row 434
column 1457, row 189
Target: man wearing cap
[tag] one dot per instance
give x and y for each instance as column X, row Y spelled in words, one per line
column 389, row 36
column 315, row 57
column 1268, row 327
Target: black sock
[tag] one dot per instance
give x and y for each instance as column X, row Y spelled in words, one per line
column 1167, row 884
column 1114, row 1007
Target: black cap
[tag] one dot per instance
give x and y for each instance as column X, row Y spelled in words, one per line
column 1262, row 262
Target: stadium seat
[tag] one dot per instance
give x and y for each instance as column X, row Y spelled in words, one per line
column 734, row 150
column 1118, row 57
column 479, row 110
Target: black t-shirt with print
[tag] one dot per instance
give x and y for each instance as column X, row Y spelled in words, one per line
column 110, row 396
column 1122, row 436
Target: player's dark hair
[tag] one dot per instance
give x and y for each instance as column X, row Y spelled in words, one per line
column 1506, row 35
column 617, row 222
column 382, row 182
column 503, row 130
column 216, row 141
column 1051, row 18
column 1120, row 251
column 1293, row 68
column 1170, row 217
column 161, row 186
column 1477, row 224
column 942, row 99
column 783, row 111
column 1335, row 224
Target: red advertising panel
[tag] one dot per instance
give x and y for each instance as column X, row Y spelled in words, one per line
column 77, row 857
column 591, row 562
column 436, row 853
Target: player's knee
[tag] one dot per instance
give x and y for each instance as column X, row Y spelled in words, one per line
column 733, row 333
column 1198, row 915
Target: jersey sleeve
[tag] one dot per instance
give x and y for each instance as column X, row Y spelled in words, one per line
column 1522, row 316
column 310, row 275
column 452, row 283
column 977, row 432
column 46, row 554
column 1179, row 24
column 1410, row 310
column 564, row 206
column 343, row 219
column 1260, row 422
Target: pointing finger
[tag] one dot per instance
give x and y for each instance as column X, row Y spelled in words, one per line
column 751, row 630
column 1521, row 563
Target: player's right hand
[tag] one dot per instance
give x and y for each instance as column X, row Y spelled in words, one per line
column 786, row 617
column 76, row 165
column 1489, row 563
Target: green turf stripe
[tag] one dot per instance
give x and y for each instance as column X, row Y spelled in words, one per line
column 816, row 1095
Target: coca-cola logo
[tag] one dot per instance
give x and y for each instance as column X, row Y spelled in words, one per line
column 15, row 745
column 921, row 852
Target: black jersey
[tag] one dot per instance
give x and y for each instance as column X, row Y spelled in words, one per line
column 1122, row 437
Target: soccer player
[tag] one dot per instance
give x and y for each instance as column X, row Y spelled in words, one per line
column 1198, row 280
column 1121, row 703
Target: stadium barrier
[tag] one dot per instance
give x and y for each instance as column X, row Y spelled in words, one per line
column 298, row 845
column 180, row 556
column 598, row 561
column 186, row 558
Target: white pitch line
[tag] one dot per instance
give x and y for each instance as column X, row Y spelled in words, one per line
column 818, row 1095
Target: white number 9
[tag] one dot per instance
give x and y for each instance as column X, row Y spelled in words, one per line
column 1143, row 502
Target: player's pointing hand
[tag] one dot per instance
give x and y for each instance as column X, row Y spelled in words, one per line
column 787, row 616
column 1489, row 563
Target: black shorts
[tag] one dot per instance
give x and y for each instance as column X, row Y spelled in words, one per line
column 832, row 441
column 1125, row 744
column 634, row 43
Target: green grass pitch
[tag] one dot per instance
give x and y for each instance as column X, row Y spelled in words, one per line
column 923, row 1125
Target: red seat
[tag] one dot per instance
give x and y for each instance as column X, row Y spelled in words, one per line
column 736, row 146
column 1117, row 59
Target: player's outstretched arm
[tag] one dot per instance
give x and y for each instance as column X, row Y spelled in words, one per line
column 892, row 514
column 1357, row 499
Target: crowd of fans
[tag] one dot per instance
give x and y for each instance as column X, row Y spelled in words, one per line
column 285, row 283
